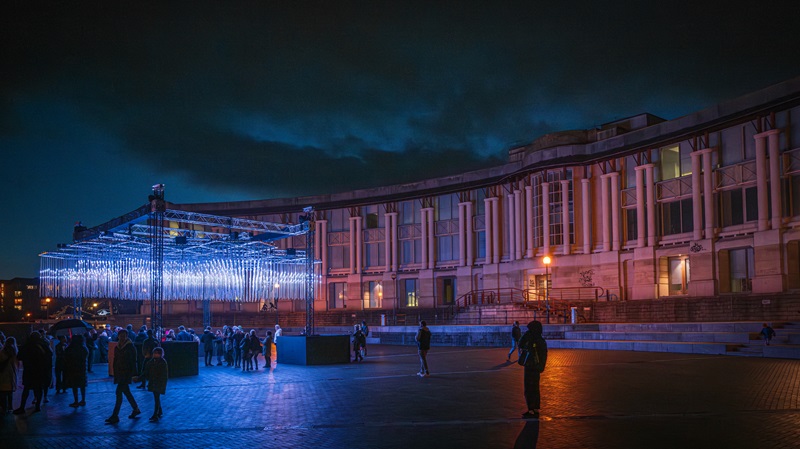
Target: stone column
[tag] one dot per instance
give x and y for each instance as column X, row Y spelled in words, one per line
column 424, row 237
column 469, row 234
column 604, row 197
column 586, row 217
column 565, row 217
column 529, row 222
column 322, row 237
column 518, row 223
column 640, row 207
column 395, row 264
column 546, row 216
column 697, row 207
column 615, row 240
column 650, row 188
column 487, row 209
column 512, row 228
column 431, row 240
column 708, row 193
column 496, row 230
column 761, row 181
column 462, row 235
column 773, row 144
column 353, row 245
column 359, row 244
column 387, row 240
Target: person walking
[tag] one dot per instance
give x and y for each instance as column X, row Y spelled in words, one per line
column 124, row 371
column 533, row 357
column 238, row 337
column 423, row 339
column 75, row 377
column 36, row 358
column 208, row 346
column 148, row 345
column 516, row 334
column 768, row 333
column 59, row 367
column 358, row 343
column 269, row 352
column 158, row 374
column 8, row 373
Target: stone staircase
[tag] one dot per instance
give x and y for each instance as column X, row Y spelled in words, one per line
column 733, row 338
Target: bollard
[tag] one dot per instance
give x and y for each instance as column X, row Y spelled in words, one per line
column 574, row 315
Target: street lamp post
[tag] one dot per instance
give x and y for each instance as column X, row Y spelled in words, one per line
column 546, row 261
column 396, row 296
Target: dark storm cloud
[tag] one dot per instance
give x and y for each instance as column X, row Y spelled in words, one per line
column 240, row 94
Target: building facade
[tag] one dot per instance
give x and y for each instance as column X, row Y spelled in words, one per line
column 638, row 209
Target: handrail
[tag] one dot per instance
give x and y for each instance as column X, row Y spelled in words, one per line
column 490, row 296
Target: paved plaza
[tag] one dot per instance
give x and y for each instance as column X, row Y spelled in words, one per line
column 591, row 399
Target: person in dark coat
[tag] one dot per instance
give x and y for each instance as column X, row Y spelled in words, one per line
column 423, row 339
column 75, row 357
column 158, row 373
column 36, row 358
column 359, row 340
column 8, row 373
column 244, row 348
column 148, row 345
column 536, row 346
column 255, row 348
column 183, row 335
column 59, row 350
column 102, row 345
column 238, row 336
column 208, row 346
column 124, row 371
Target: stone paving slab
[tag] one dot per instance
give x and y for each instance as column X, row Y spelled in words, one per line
column 591, row 399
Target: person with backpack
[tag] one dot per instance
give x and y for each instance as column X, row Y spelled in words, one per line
column 423, row 339
column 359, row 340
column 516, row 334
column 533, row 357
column 768, row 333
column 365, row 331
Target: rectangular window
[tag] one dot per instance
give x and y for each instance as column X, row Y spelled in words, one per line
column 447, row 290
column 631, row 228
column 337, row 295
column 732, row 207
column 676, row 217
column 376, row 255
column 409, row 212
column 338, row 220
column 372, row 218
column 481, row 242
column 373, row 295
column 339, row 256
column 410, row 293
column 678, row 275
column 751, row 202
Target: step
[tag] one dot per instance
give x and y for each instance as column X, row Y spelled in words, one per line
column 643, row 346
column 686, row 337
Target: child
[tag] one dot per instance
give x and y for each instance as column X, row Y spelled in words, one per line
column 157, row 374
column 767, row 332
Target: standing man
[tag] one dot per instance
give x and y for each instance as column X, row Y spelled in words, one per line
column 91, row 345
column 102, row 344
column 124, row 370
column 533, row 357
column 516, row 334
column 208, row 346
column 423, row 339
column 365, row 331
column 238, row 336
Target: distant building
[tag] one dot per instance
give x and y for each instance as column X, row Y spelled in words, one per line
column 20, row 296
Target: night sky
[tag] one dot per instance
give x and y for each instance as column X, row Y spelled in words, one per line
column 231, row 100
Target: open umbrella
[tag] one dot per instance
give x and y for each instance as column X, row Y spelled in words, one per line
column 69, row 327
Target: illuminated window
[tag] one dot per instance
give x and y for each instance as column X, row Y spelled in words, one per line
column 410, row 293
column 373, row 295
column 675, row 161
column 338, row 295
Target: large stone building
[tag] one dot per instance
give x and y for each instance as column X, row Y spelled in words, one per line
column 638, row 209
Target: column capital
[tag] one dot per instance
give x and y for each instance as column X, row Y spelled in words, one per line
column 464, row 203
column 585, row 181
column 643, row 167
column 564, row 181
column 426, row 208
column 528, row 188
column 321, row 221
column 391, row 214
column 703, row 151
column 764, row 134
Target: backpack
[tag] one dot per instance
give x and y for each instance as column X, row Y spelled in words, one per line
column 528, row 354
column 365, row 329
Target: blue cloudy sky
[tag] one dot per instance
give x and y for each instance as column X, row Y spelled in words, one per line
column 233, row 100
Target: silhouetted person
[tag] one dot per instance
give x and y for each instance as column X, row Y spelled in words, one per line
column 516, row 334
column 148, row 345
column 8, row 373
column 533, row 357
column 157, row 375
column 75, row 377
column 36, row 358
column 124, row 371
column 207, row 339
column 423, row 339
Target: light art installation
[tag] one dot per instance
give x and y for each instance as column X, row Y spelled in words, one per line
column 202, row 262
